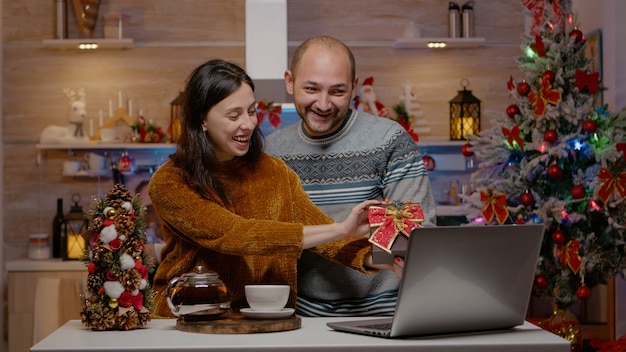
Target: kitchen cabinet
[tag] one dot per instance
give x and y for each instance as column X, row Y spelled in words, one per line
column 432, row 43
column 23, row 277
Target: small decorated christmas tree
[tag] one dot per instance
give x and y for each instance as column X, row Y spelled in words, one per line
column 557, row 159
column 118, row 294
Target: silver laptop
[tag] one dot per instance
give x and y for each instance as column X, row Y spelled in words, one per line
column 460, row 279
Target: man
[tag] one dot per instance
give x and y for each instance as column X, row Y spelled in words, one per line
column 343, row 157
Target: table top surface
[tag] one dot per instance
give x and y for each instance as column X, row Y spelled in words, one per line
column 313, row 336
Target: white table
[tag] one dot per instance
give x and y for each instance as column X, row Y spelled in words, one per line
column 313, row 336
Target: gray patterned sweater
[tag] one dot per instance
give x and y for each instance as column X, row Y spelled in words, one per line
column 367, row 158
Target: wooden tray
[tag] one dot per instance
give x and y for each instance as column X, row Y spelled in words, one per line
column 238, row 324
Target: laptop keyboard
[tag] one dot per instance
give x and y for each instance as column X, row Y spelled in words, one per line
column 384, row 326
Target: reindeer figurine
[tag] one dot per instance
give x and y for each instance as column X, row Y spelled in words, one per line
column 73, row 132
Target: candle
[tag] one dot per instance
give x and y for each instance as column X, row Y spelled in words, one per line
column 130, row 107
column 91, row 127
column 110, row 107
column 101, row 119
column 75, row 246
column 119, row 99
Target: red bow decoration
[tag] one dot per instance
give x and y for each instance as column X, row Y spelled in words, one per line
column 611, row 184
column 509, row 84
column 513, row 135
column 539, row 99
column 495, row 205
column 271, row 110
column 538, row 46
column 584, row 79
column 391, row 221
column 568, row 255
column 537, row 8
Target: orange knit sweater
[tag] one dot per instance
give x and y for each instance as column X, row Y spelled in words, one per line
column 257, row 241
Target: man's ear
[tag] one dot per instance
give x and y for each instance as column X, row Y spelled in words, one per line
column 289, row 82
column 354, row 85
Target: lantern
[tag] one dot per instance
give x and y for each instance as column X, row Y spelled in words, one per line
column 175, row 107
column 75, row 226
column 464, row 114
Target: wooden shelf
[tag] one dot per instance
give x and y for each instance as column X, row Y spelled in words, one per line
column 102, row 43
column 124, row 146
column 438, row 43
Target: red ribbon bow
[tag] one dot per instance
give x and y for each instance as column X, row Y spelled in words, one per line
column 513, row 135
column 495, row 206
column 392, row 221
column 538, row 46
column 537, row 7
column 539, row 99
column 612, row 184
column 568, row 255
column 271, row 110
column 589, row 80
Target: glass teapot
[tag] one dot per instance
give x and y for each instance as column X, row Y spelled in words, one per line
column 198, row 295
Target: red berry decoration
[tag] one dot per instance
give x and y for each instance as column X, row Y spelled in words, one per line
column 558, row 237
column 555, row 171
column 590, row 125
column 512, row 110
column 540, row 282
column 578, row 192
column 465, row 149
column 527, row 199
column 550, row 136
column 583, row 293
column 523, row 88
column 548, row 76
column 429, row 162
column 577, row 35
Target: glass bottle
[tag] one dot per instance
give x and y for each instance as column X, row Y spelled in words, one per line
column 57, row 228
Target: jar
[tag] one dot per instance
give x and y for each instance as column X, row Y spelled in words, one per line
column 38, row 247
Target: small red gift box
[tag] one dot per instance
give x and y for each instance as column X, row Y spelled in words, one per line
column 391, row 224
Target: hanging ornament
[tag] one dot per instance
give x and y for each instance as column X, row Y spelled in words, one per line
column 558, row 237
column 555, row 171
column 577, row 35
column 429, row 162
column 520, row 220
column 527, row 199
column 578, row 191
column 583, row 293
column 465, row 149
column 512, row 110
column 621, row 147
column 550, row 136
column 540, row 282
column 523, row 88
column 538, row 46
column 549, row 76
column 590, row 125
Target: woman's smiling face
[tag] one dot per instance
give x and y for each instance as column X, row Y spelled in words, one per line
column 231, row 122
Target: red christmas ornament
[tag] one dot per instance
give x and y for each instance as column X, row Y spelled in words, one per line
column 558, row 237
column 527, row 199
column 578, row 191
column 621, row 147
column 540, row 282
column 512, row 110
column 583, row 293
column 465, row 149
column 523, row 88
column 555, row 171
column 577, row 35
column 548, row 76
column 429, row 162
column 590, row 125
column 550, row 136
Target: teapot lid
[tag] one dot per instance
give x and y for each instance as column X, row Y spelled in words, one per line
column 200, row 274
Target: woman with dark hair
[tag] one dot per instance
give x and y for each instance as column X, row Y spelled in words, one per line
column 226, row 205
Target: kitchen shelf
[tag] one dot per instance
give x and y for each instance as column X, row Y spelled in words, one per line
column 94, row 146
column 102, row 43
column 451, row 43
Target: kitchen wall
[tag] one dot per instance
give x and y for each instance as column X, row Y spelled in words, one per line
column 173, row 37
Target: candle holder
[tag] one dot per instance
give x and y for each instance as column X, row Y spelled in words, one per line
column 464, row 114
column 75, row 226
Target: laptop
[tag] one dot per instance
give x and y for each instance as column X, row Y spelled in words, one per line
column 460, row 279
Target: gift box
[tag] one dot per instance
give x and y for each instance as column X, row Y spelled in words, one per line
column 391, row 224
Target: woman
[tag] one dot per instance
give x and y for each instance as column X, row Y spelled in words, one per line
column 226, row 205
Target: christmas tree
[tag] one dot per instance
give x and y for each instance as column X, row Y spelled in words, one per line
column 558, row 159
column 118, row 294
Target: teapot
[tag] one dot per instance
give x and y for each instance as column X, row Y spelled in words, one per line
column 198, row 295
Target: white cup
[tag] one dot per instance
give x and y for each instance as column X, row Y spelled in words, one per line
column 96, row 162
column 107, row 134
column 267, row 297
column 71, row 168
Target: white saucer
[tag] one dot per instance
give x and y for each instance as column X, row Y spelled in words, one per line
column 267, row 314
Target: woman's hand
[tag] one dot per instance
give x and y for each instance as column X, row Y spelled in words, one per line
column 397, row 266
column 356, row 224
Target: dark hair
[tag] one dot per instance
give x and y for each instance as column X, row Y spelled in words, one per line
column 209, row 84
column 329, row 43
